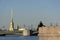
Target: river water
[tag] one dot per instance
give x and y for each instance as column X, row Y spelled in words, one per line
column 18, row 38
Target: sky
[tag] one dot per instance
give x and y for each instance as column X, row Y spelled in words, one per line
column 29, row 12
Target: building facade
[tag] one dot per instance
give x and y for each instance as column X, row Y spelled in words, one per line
column 11, row 26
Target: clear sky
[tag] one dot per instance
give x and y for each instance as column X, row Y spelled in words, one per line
column 29, row 12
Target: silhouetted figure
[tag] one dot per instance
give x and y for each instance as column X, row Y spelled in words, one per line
column 40, row 25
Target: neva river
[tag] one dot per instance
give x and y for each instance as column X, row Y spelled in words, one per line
column 18, row 38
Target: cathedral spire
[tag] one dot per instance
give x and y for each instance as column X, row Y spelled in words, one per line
column 11, row 14
column 11, row 22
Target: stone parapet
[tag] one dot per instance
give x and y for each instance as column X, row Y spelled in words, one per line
column 26, row 32
column 49, row 33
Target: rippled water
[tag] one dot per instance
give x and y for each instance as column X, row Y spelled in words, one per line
column 18, row 38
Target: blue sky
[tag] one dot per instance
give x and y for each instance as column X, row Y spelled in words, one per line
column 29, row 12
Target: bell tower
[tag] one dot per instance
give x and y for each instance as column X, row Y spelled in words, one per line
column 11, row 22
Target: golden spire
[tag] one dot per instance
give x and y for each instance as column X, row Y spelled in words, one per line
column 11, row 23
column 11, row 14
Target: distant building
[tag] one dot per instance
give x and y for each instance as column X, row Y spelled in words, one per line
column 11, row 26
column 11, row 23
column 21, row 29
column 17, row 27
column 26, row 32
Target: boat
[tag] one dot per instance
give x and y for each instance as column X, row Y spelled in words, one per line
column 2, row 34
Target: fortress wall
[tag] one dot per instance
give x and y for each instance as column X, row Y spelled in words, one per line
column 49, row 33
